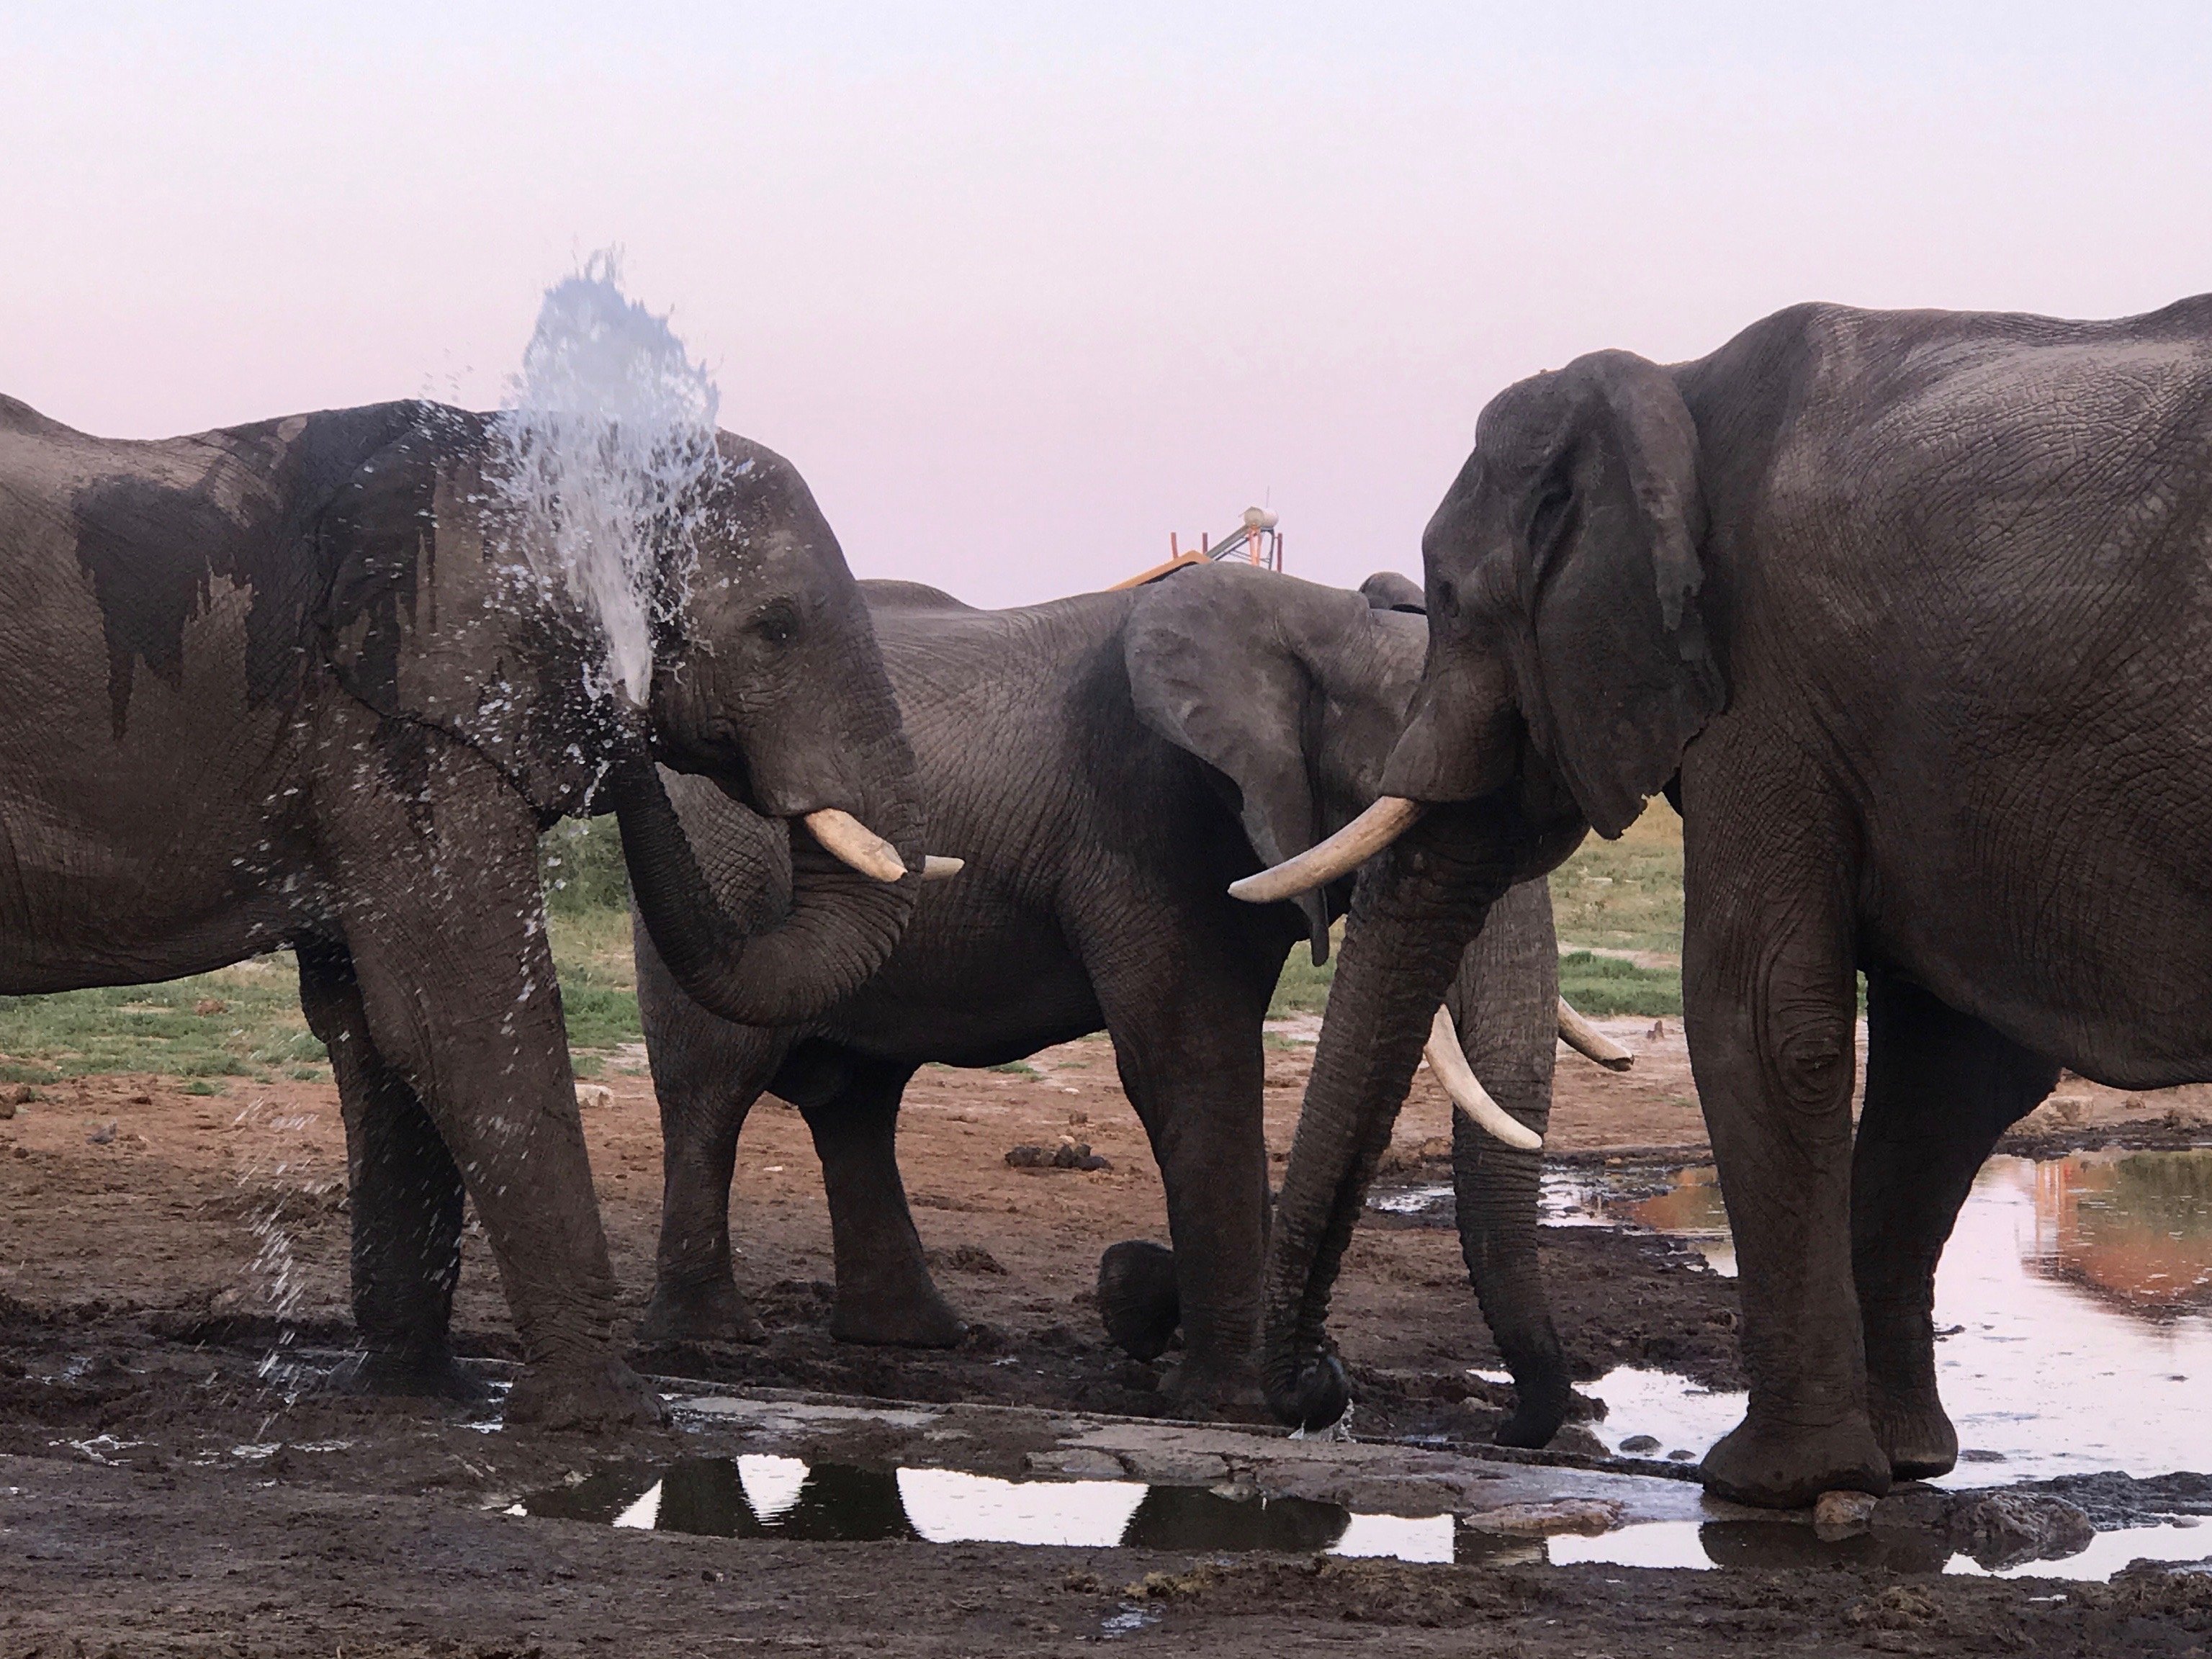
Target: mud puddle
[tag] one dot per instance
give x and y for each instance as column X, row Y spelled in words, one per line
column 1761, row 1546
column 2074, row 1309
column 790, row 1497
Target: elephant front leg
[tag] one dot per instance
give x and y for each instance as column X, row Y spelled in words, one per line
column 885, row 1293
column 433, row 861
column 1942, row 1087
column 1197, row 1076
column 406, row 1197
column 1770, row 1008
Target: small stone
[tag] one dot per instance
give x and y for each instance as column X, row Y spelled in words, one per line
column 1842, row 1515
column 102, row 1135
column 1680, row 1454
column 1640, row 1442
column 591, row 1097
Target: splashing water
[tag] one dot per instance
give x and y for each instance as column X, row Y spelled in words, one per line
column 608, row 439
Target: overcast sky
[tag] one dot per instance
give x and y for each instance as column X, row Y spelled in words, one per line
column 1023, row 287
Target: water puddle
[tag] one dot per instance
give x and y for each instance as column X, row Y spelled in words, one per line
column 788, row 1497
column 1766, row 1546
column 2073, row 1306
column 771, row 1497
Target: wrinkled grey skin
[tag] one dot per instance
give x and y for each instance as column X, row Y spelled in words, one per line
column 272, row 686
column 1859, row 589
column 1106, row 765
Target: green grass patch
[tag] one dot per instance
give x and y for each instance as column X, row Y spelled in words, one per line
column 1602, row 986
column 1624, row 895
column 251, row 1026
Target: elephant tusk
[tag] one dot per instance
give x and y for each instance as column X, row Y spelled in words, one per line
column 1342, row 854
column 1448, row 1062
column 853, row 843
column 934, row 868
column 1585, row 1039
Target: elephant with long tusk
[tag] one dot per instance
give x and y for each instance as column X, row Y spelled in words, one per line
column 1105, row 765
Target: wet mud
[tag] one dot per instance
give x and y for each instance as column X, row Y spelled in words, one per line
column 181, row 1474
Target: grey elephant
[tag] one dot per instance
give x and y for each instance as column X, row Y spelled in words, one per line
column 1906, row 613
column 1105, row 764
column 294, row 684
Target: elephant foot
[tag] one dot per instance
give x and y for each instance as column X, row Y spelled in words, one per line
column 600, row 1393
column 415, row 1373
column 1137, row 1297
column 1786, row 1466
column 1199, row 1390
column 911, row 1319
column 1917, row 1435
column 709, row 1312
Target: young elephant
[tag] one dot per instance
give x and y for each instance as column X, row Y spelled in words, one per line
column 1105, row 764
column 300, row 684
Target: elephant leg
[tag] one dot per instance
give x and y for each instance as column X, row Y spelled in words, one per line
column 1192, row 1064
column 1504, row 1002
column 1770, row 1007
column 1942, row 1087
column 885, row 1293
column 707, row 1072
column 405, row 1191
column 432, row 859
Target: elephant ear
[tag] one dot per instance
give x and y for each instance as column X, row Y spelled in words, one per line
column 1218, row 668
column 1600, row 465
column 433, row 613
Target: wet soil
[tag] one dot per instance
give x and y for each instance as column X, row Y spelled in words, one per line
column 174, row 1479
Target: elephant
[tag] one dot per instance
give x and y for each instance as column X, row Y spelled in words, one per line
column 1905, row 613
column 303, row 683
column 1104, row 763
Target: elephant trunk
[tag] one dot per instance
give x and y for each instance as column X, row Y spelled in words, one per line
column 1506, row 1000
column 1413, row 912
column 758, row 925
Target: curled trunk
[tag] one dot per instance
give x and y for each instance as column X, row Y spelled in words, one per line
column 756, row 924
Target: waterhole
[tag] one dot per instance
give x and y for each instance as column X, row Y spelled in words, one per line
column 2074, row 1308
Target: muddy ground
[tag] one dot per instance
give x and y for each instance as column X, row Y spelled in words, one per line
column 173, row 1479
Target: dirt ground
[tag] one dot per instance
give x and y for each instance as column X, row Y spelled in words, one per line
column 172, row 1482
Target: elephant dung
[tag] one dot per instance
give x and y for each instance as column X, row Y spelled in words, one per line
column 1588, row 1517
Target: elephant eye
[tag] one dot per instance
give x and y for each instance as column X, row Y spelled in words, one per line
column 777, row 623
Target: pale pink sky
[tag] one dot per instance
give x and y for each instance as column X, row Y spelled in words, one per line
column 1021, row 288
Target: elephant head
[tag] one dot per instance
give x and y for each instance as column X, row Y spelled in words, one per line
column 1293, row 692
column 444, row 607
column 1568, row 666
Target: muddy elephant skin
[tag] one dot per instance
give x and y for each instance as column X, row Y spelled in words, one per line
column 290, row 685
column 1105, row 765
column 1908, row 613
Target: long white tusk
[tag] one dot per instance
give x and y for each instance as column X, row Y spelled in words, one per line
column 934, row 868
column 1448, row 1062
column 1587, row 1040
column 1344, row 852
column 853, row 843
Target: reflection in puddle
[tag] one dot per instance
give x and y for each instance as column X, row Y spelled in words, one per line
column 762, row 1497
column 2073, row 1301
column 1705, row 1546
